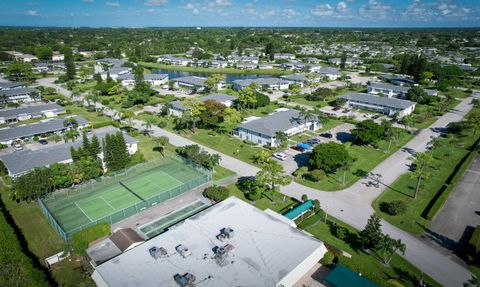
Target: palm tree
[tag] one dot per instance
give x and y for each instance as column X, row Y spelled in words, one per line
column 161, row 141
column 388, row 246
column 420, row 161
column 307, row 115
column 148, row 125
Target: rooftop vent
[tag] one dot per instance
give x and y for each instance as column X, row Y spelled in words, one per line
column 221, row 254
column 226, row 233
column 184, row 280
column 158, row 252
column 183, row 250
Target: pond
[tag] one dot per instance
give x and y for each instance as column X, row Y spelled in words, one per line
column 229, row 78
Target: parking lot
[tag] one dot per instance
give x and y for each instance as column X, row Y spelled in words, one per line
column 295, row 158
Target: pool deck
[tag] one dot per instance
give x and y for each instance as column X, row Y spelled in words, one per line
column 160, row 210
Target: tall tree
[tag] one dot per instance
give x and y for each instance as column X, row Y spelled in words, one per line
column 69, row 63
column 307, row 116
column 281, row 139
column 230, row 120
column 272, row 174
column 388, row 246
column 212, row 82
column 420, row 161
column 162, row 142
column 193, row 110
column 371, row 234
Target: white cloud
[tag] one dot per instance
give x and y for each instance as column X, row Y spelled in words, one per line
column 155, row 2
column 290, row 13
column 32, row 13
column 322, row 10
column 223, row 3
column 375, row 10
column 190, row 6
column 151, row 10
column 88, row 1
column 342, row 7
column 112, row 4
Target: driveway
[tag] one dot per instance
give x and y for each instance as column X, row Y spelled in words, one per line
column 454, row 224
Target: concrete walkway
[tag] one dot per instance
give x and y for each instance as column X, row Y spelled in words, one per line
column 354, row 204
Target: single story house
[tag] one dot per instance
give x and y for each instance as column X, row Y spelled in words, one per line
column 265, row 66
column 263, row 131
column 388, row 106
column 22, row 113
column 128, row 80
column 397, row 80
column 267, row 83
column 215, row 64
column 390, row 90
column 243, row 59
column 115, row 72
column 348, row 61
column 330, row 73
column 111, row 62
column 178, row 108
column 7, row 85
column 172, row 60
column 296, row 79
column 21, row 162
column 12, row 134
column 283, row 56
column 19, row 95
column 57, row 57
column 246, row 66
column 191, row 82
column 231, row 243
column 21, row 57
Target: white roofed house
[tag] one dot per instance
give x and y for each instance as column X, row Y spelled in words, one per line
column 283, row 56
column 8, row 116
column 17, row 95
column 115, row 72
column 177, row 107
column 263, row 83
column 229, row 244
column 331, row 74
column 21, row 162
column 57, row 57
column 385, row 105
column 193, row 83
column 263, row 131
column 296, row 79
column 128, row 80
column 396, row 91
column 172, row 60
column 11, row 85
column 348, row 61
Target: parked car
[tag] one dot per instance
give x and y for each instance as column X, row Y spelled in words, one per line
column 297, row 148
column 375, row 117
column 326, row 135
column 18, row 147
column 280, row 156
column 43, row 142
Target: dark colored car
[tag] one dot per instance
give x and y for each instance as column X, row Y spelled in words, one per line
column 43, row 142
column 326, row 135
column 297, row 148
column 375, row 117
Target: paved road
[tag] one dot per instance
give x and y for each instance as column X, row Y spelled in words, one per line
column 354, row 205
column 459, row 215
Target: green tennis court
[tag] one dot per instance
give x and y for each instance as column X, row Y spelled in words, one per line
column 115, row 199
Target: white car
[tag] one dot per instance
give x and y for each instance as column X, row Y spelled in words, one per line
column 280, row 156
column 18, row 147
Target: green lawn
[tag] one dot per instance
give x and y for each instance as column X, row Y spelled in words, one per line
column 147, row 147
column 93, row 117
column 44, row 241
column 319, row 104
column 215, row 71
column 366, row 158
column 366, row 263
column 282, row 202
column 404, row 187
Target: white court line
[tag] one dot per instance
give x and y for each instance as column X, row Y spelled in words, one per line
column 107, row 203
column 83, row 212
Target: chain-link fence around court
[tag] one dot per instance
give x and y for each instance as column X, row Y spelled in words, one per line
column 188, row 173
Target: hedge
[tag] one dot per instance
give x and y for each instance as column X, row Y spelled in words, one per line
column 104, row 124
column 16, row 268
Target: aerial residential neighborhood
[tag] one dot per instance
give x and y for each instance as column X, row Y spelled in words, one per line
column 240, row 143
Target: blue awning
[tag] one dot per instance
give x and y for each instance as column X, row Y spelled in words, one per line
column 298, row 210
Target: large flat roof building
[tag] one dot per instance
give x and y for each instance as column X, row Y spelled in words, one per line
column 230, row 244
column 269, row 83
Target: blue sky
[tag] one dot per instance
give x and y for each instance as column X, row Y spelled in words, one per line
column 311, row 13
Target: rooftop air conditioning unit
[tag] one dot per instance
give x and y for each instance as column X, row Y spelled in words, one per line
column 158, row 252
column 183, row 250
